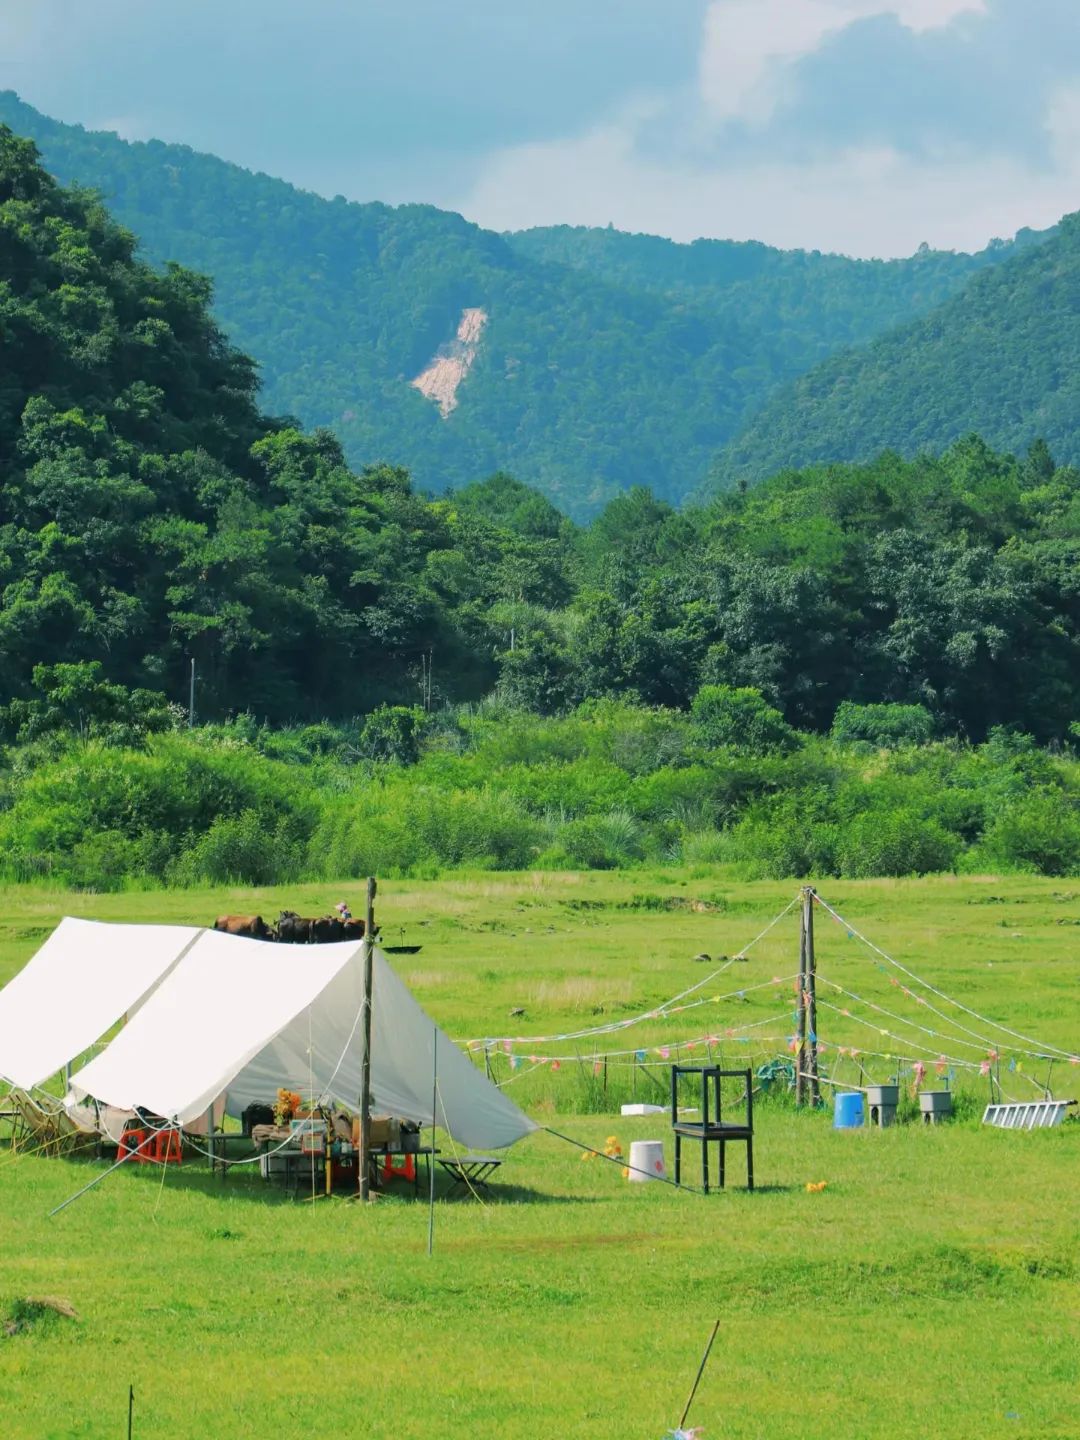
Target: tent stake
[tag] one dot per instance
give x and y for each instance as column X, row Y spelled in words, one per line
column 363, row 1159
column 701, row 1371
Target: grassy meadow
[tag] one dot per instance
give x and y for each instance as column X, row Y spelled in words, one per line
column 930, row 1289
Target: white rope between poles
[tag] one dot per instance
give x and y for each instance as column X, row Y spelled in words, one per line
column 1045, row 1052
column 656, row 1013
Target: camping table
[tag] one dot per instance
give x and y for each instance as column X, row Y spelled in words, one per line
column 469, row 1172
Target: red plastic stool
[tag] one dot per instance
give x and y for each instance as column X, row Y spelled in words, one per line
column 398, row 1167
column 167, row 1147
column 135, row 1143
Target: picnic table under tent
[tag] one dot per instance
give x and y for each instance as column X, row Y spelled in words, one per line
column 220, row 1022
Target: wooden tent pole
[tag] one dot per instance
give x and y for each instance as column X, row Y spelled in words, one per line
column 811, row 998
column 363, row 1162
column 800, row 1006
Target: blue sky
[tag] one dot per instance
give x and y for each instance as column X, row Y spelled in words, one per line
column 865, row 126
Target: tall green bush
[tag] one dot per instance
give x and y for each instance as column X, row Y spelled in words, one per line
column 1039, row 832
column 740, row 717
column 894, row 842
column 883, row 725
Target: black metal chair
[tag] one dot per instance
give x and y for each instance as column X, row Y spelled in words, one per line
column 712, row 1125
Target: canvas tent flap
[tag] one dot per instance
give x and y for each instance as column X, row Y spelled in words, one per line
column 221, row 1005
column 404, row 1041
column 241, row 1018
column 86, row 976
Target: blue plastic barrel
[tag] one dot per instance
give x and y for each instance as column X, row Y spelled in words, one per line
column 848, row 1110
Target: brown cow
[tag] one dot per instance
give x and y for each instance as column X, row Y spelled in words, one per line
column 252, row 926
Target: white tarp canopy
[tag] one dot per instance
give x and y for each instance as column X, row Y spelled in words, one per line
column 240, row 1018
column 85, row 977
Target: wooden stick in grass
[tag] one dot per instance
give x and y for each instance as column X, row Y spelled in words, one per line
column 697, row 1377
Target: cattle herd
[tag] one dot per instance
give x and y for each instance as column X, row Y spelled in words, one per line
column 293, row 929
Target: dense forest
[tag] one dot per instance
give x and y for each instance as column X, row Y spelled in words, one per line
column 151, row 514
column 1001, row 357
column 608, row 360
column 809, row 305
column 855, row 669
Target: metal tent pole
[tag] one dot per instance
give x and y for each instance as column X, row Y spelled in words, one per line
column 431, row 1157
column 365, row 1075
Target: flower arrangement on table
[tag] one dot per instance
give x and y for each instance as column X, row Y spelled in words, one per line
column 288, row 1103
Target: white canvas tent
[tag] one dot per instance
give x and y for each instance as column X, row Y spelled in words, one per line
column 85, row 978
column 237, row 1019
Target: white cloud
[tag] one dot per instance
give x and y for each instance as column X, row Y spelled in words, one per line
column 860, row 201
column 748, row 44
column 128, row 127
column 1063, row 126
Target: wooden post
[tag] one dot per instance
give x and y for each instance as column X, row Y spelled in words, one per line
column 363, row 1161
column 811, row 998
column 800, row 1008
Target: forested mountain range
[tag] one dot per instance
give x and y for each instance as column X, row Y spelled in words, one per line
column 1002, row 357
column 606, row 361
column 811, row 305
column 150, row 515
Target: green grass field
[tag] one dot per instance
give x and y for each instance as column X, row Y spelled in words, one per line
column 930, row 1290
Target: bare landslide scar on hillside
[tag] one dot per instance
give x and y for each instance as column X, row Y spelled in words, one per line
column 440, row 381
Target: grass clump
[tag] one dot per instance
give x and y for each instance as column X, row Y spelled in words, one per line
column 30, row 1316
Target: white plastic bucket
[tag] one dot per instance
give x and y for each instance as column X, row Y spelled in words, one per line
column 647, row 1160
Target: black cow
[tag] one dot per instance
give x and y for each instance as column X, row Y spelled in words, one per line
column 292, row 929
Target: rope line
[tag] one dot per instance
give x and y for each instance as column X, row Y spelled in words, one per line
column 657, row 1011
column 983, row 1019
column 900, row 1039
column 711, row 1038
column 913, row 1024
column 623, row 1165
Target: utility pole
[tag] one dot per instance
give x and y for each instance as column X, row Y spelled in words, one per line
column 191, row 698
column 807, row 1084
column 363, row 1158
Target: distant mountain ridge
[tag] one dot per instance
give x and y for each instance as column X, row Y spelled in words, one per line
column 606, row 360
column 1001, row 358
column 813, row 304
